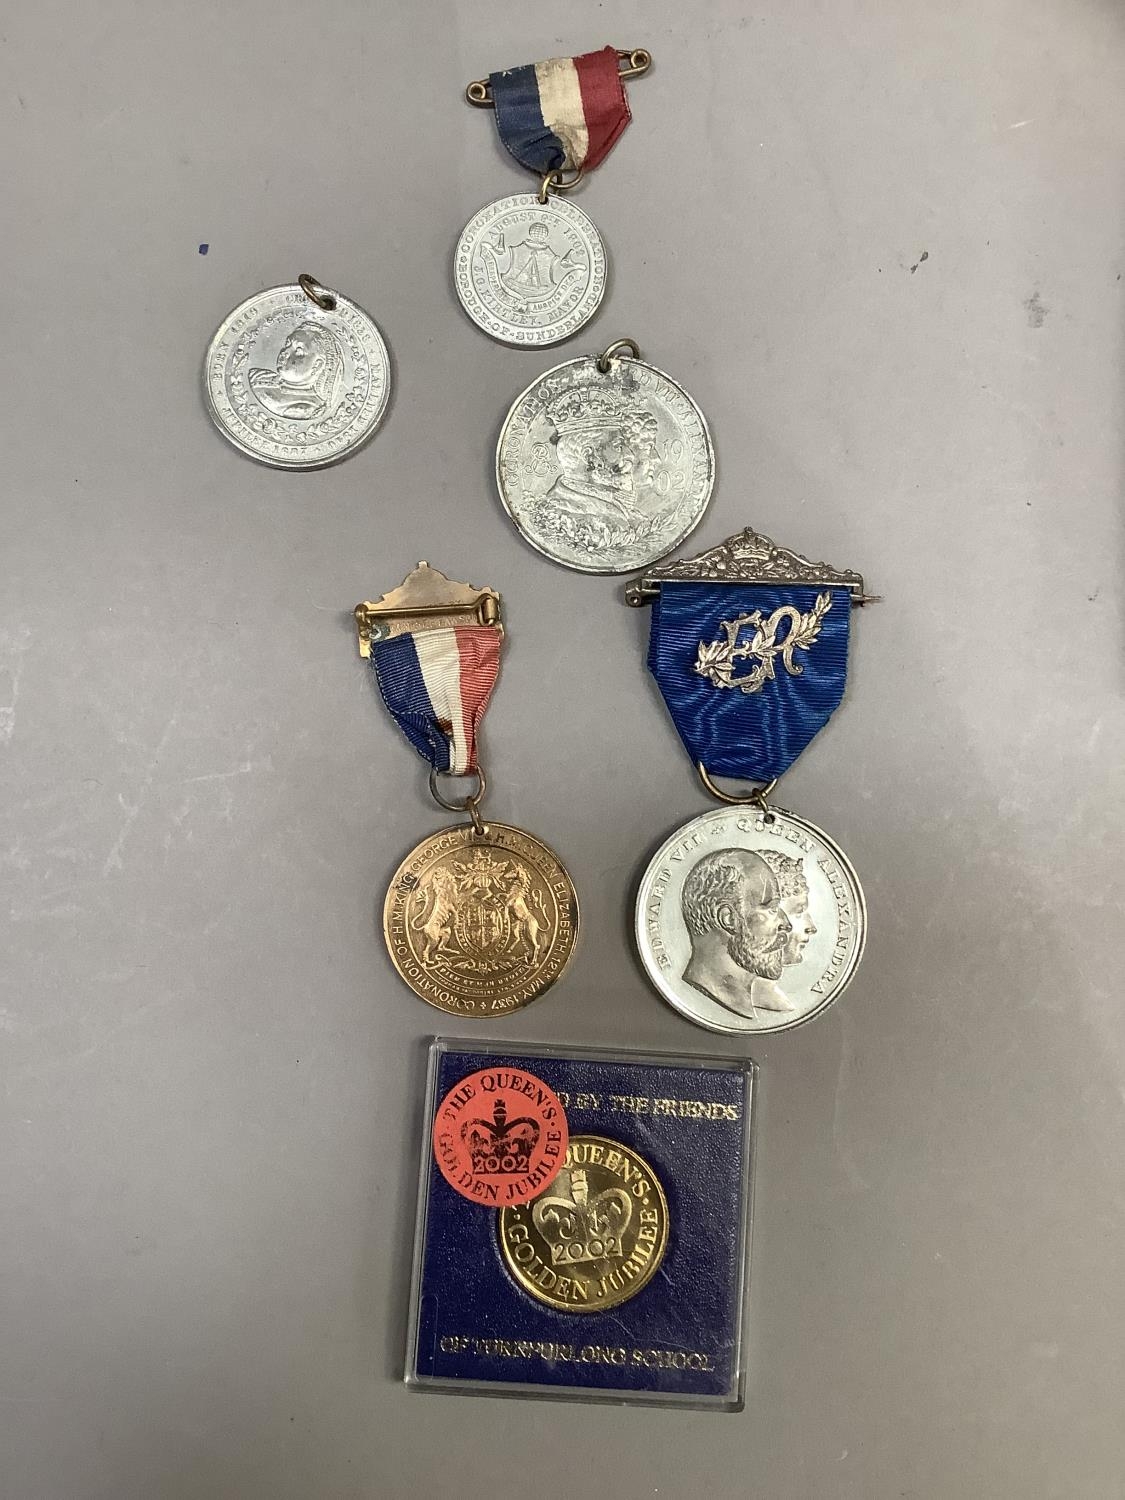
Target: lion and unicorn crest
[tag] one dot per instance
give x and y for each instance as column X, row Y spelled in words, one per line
column 481, row 911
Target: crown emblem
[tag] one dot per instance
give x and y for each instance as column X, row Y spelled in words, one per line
column 580, row 1228
column 583, row 409
column 501, row 1145
column 482, row 877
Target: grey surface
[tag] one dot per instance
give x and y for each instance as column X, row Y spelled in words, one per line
column 881, row 244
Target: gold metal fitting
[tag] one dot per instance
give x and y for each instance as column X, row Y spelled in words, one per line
column 470, row 803
column 425, row 600
column 319, row 295
column 555, row 182
column 637, row 63
column 755, row 798
column 615, row 351
column 632, row 64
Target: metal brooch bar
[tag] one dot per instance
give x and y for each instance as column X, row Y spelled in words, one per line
column 631, row 64
column 425, row 600
column 748, row 557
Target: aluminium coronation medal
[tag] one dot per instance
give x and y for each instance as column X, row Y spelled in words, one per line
column 530, row 269
column 604, row 463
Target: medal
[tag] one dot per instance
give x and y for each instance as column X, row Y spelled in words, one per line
column 749, row 918
column 530, row 268
column 605, row 463
column 297, row 376
column 595, row 1236
column 480, row 918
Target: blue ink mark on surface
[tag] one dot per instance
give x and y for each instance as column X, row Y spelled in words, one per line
column 203, row 249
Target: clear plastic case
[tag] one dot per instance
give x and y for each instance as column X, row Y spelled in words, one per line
column 625, row 1279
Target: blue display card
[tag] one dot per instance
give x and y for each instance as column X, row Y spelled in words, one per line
column 677, row 1341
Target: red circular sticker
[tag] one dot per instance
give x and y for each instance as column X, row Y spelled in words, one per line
column 500, row 1136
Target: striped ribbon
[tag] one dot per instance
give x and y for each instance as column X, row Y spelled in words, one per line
column 565, row 112
column 437, row 684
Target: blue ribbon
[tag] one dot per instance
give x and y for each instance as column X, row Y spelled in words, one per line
column 519, row 120
column 398, row 676
column 751, row 736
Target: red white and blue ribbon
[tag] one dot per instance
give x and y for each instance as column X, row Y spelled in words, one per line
column 437, row 684
column 565, row 112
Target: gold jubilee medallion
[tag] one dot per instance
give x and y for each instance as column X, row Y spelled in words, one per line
column 480, row 923
column 480, row 918
column 596, row 1236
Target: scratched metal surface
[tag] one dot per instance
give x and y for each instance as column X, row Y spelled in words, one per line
column 881, row 245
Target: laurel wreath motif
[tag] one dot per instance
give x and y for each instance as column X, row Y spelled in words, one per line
column 716, row 661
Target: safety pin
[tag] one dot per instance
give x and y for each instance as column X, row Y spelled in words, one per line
column 637, row 63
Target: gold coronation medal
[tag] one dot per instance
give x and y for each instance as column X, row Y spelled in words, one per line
column 480, row 918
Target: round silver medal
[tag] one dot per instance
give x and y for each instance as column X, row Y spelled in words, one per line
column 605, row 464
column 528, row 272
column 296, row 380
column 750, row 920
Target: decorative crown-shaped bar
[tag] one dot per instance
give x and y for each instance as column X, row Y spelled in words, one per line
column 748, row 557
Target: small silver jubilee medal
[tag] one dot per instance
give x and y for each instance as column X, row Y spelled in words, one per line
column 530, row 269
column 749, row 918
column 298, row 376
column 605, row 463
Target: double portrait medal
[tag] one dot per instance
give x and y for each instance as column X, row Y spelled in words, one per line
column 480, row 918
column 530, row 269
column 749, row 918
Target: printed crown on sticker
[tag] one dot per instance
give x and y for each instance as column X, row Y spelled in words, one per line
column 501, row 1145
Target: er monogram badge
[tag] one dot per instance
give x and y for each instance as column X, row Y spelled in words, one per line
column 716, row 661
